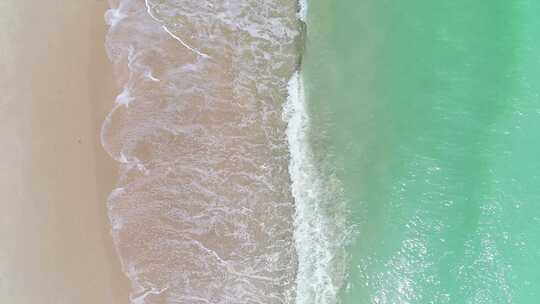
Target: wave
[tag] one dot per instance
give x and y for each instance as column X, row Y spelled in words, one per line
column 319, row 218
column 203, row 210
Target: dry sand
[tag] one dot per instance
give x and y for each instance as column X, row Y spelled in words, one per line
column 56, row 86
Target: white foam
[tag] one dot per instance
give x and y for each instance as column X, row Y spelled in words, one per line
column 124, row 98
column 148, row 74
column 151, row 14
column 113, row 16
column 123, row 159
column 302, row 13
column 140, row 299
column 185, row 44
column 318, row 278
column 117, row 191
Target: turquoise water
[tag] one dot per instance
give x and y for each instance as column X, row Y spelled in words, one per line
column 429, row 113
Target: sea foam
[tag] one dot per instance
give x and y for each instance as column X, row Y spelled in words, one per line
column 203, row 211
column 318, row 235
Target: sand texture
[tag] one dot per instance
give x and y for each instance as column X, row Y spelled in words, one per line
column 56, row 86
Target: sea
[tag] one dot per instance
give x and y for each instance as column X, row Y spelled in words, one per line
column 326, row 152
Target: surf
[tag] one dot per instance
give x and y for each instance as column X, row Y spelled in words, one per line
column 319, row 226
column 202, row 211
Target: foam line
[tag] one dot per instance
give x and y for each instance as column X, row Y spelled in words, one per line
column 315, row 241
column 185, row 44
column 149, row 10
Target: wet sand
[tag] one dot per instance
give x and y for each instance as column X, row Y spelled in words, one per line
column 56, row 86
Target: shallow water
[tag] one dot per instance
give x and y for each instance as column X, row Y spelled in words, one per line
column 203, row 211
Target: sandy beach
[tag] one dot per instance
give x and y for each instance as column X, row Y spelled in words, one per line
column 57, row 85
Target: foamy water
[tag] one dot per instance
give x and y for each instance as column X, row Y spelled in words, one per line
column 319, row 222
column 203, row 212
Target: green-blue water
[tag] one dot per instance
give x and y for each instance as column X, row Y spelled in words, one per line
column 430, row 113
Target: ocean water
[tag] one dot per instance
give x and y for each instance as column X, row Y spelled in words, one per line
column 275, row 151
column 428, row 114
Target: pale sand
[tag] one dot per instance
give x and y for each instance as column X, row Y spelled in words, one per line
column 56, row 85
